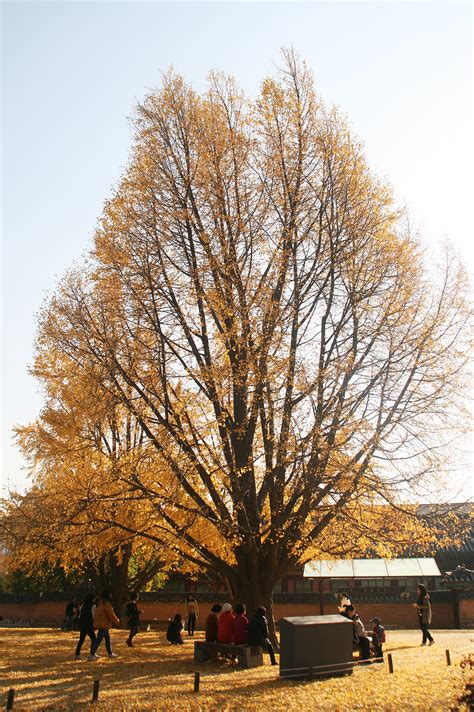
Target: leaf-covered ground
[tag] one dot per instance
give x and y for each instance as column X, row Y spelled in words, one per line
column 39, row 664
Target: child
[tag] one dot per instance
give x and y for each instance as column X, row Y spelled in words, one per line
column 378, row 638
column 132, row 615
column 173, row 633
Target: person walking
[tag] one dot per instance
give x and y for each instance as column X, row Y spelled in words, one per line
column 86, row 624
column 132, row 615
column 104, row 618
column 423, row 610
column 258, row 634
column 191, row 612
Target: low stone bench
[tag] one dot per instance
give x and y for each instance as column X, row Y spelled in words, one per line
column 248, row 656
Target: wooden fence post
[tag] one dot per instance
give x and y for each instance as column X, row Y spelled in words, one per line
column 311, row 672
column 390, row 662
column 95, row 691
column 197, row 676
column 448, row 658
column 10, row 698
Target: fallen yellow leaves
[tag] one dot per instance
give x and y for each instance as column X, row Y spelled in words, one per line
column 39, row 665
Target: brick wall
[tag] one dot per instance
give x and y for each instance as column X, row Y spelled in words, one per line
column 393, row 614
column 466, row 612
column 41, row 610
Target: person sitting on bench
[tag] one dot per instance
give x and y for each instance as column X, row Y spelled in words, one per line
column 212, row 622
column 241, row 624
column 359, row 634
column 225, row 627
column 257, row 633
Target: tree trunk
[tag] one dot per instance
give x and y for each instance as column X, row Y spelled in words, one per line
column 254, row 590
column 119, row 580
column 108, row 574
column 97, row 573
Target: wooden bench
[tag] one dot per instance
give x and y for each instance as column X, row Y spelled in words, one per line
column 248, row 656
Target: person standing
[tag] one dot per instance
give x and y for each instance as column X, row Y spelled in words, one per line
column 378, row 638
column 69, row 613
column 104, row 618
column 423, row 609
column 86, row 624
column 76, row 615
column 191, row 612
column 258, row 634
column 132, row 615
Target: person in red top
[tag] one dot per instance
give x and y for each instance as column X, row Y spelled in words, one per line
column 225, row 627
column 212, row 623
column 241, row 623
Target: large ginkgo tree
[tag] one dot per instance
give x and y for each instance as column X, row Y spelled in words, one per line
column 256, row 302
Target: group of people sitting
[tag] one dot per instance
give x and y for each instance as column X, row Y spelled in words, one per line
column 223, row 625
column 360, row 637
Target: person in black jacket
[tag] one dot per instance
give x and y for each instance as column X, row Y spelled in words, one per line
column 69, row 613
column 173, row 633
column 132, row 615
column 257, row 633
column 86, row 625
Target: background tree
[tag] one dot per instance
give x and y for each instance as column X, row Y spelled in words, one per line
column 256, row 303
column 42, row 578
column 81, row 448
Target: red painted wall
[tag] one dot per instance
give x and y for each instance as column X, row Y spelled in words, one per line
column 393, row 615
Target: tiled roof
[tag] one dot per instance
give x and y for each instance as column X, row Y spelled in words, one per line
column 459, row 574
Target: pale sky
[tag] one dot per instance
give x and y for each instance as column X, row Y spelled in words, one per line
column 72, row 72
